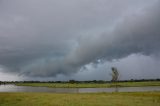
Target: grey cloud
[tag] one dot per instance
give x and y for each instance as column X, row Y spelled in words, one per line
column 135, row 66
column 137, row 33
column 40, row 38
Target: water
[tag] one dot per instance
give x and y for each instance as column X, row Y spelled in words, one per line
column 14, row 88
column 120, row 89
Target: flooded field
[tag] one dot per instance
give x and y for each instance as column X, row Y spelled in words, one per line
column 14, row 88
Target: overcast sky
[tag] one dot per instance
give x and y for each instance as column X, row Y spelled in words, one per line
column 79, row 39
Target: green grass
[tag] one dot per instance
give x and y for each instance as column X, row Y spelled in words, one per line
column 83, row 99
column 91, row 85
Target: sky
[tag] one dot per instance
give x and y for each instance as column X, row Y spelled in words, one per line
column 79, row 39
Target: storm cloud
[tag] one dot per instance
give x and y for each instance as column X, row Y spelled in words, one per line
column 50, row 38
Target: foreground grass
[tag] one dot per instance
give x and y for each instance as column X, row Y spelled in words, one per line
column 94, row 99
column 91, row 85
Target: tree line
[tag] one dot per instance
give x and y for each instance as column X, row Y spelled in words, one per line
column 75, row 81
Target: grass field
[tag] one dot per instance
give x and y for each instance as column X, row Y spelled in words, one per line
column 87, row 99
column 92, row 85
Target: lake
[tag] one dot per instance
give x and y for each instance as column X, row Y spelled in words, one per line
column 14, row 88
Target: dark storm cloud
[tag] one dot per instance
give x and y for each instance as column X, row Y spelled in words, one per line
column 136, row 33
column 40, row 38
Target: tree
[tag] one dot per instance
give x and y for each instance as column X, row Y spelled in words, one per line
column 115, row 74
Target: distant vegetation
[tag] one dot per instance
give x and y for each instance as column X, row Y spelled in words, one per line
column 91, row 85
column 86, row 84
column 75, row 81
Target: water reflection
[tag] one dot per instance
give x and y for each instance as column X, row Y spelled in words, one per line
column 13, row 88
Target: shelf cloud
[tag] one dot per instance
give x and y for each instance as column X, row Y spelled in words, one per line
column 49, row 38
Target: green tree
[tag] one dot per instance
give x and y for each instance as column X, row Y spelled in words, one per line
column 115, row 74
